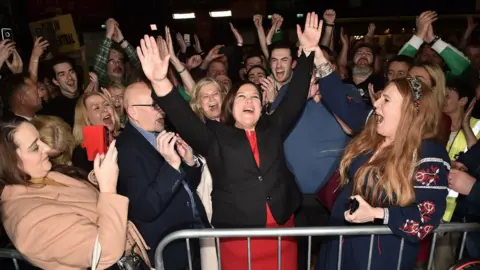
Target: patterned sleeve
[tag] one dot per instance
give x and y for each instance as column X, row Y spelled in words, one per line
column 416, row 221
column 101, row 61
column 133, row 57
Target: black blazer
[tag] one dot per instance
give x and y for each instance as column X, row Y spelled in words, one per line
column 159, row 203
column 240, row 188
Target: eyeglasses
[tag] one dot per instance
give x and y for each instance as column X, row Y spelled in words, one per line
column 153, row 105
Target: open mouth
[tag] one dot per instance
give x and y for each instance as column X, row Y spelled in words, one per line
column 160, row 120
column 379, row 118
column 71, row 83
column 248, row 110
column 280, row 73
column 107, row 119
column 213, row 107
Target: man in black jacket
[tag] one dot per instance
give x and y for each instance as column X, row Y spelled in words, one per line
column 159, row 174
column 465, row 179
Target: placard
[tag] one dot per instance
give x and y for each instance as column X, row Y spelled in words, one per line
column 65, row 34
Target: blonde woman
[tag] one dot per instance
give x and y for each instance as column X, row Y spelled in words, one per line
column 433, row 76
column 207, row 98
column 395, row 169
column 206, row 102
column 116, row 95
column 92, row 109
column 57, row 134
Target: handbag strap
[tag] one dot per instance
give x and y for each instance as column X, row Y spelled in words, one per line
column 97, row 252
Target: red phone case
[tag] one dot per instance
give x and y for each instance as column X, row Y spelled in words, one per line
column 95, row 140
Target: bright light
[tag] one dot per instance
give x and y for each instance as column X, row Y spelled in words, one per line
column 224, row 13
column 104, row 26
column 270, row 16
column 181, row 16
column 153, row 27
column 299, row 15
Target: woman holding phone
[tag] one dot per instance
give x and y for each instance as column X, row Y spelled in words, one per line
column 252, row 186
column 52, row 214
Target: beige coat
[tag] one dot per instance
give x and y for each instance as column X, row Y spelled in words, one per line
column 208, row 250
column 55, row 226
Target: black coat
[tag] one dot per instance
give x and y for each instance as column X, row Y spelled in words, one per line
column 159, row 203
column 240, row 188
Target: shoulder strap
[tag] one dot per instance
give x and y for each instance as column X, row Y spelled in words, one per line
column 97, row 252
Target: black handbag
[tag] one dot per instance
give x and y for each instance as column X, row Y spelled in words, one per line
column 132, row 261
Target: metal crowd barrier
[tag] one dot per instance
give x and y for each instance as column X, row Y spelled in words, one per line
column 13, row 254
column 308, row 232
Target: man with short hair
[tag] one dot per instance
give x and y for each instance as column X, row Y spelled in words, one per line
column 22, row 96
column 398, row 67
column 159, row 174
column 65, row 77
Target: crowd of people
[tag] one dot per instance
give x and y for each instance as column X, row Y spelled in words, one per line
column 242, row 138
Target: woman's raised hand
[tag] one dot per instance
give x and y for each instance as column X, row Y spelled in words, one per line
column 154, row 67
column 310, row 36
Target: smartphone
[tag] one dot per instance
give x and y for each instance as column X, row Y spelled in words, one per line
column 95, row 140
column 47, row 32
column 186, row 37
column 7, row 33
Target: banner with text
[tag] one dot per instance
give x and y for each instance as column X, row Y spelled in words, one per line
column 59, row 31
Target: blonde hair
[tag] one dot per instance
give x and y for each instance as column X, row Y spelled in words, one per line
column 114, row 85
column 81, row 118
column 58, row 135
column 391, row 172
column 195, row 98
column 437, row 77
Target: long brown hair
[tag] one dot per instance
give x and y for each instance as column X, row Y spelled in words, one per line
column 10, row 172
column 391, row 172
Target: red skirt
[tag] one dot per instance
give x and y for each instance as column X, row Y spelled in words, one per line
column 263, row 253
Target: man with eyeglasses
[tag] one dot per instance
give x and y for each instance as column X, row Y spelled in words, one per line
column 159, row 174
column 110, row 61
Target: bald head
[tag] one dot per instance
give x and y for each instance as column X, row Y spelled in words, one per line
column 141, row 108
column 137, row 93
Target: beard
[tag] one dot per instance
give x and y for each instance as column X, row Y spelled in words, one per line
column 362, row 71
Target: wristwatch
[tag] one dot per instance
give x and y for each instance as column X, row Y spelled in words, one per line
column 196, row 162
column 435, row 39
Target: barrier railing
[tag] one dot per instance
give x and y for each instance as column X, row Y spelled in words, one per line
column 307, row 232
column 11, row 254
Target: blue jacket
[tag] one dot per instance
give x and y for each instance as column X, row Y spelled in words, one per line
column 314, row 146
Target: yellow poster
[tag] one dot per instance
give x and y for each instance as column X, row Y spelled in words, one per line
column 64, row 31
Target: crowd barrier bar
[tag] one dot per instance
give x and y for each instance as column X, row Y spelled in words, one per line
column 11, row 254
column 308, row 232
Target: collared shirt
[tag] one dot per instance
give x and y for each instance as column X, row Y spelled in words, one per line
column 27, row 118
column 152, row 139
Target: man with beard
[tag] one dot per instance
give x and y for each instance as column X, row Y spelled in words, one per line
column 65, row 77
column 362, row 72
column 110, row 61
